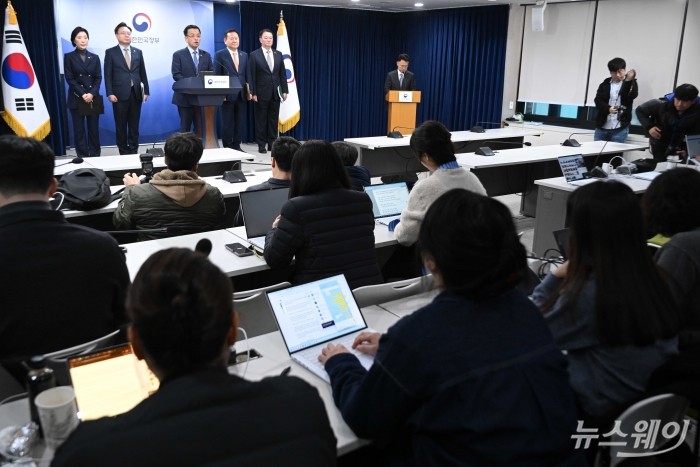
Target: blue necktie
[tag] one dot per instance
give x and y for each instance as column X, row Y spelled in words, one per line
column 195, row 57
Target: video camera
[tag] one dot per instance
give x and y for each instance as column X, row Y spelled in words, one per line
column 146, row 168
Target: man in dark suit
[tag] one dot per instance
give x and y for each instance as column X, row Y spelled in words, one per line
column 267, row 79
column 188, row 63
column 232, row 62
column 83, row 73
column 126, row 85
column 400, row 79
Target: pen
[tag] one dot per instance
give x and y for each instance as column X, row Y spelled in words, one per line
column 286, row 371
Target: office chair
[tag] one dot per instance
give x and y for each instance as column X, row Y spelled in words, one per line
column 382, row 293
column 665, row 407
column 254, row 313
column 57, row 360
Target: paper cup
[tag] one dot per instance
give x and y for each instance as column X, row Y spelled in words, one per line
column 58, row 414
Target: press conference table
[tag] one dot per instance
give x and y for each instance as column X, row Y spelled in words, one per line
column 515, row 170
column 392, row 156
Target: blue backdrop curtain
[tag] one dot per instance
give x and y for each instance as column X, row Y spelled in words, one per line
column 341, row 58
column 38, row 27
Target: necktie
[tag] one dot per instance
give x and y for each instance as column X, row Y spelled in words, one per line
column 401, row 80
column 127, row 58
column 235, row 60
column 195, row 57
column 269, row 60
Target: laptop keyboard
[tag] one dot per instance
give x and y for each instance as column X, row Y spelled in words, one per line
column 311, row 354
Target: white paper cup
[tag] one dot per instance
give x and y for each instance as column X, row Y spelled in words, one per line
column 58, row 414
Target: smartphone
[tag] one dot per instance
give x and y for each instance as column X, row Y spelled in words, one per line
column 238, row 249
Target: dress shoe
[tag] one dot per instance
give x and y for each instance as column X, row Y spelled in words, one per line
column 236, row 147
column 261, row 150
column 269, row 146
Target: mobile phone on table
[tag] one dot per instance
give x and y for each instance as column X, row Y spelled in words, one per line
column 238, row 249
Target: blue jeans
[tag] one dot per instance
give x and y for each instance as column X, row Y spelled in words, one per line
column 618, row 135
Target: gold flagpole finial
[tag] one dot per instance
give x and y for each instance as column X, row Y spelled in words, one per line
column 13, row 15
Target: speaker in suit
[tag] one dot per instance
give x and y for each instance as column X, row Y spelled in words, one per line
column 83, row 73
column 233, row 108
column 126, row 86
column 183, row 66
column 264, row 84
column 400, row 79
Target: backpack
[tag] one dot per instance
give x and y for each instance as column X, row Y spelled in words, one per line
column 85, row 189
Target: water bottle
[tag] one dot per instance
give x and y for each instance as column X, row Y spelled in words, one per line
column 39, row 378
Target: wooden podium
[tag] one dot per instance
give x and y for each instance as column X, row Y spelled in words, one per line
column 402, row 110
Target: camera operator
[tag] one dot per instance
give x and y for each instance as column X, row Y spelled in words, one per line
column 175, row 198
column 614, row 100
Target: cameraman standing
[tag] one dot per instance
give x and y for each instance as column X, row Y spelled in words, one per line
column 175, row 198
column 614, row 100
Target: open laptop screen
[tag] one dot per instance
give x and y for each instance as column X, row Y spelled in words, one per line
column 260, row 209
column 692, row 143
column 573, row 167
column 316, row 312
column 389, row 199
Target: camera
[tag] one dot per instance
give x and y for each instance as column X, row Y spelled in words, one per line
column 146, row 168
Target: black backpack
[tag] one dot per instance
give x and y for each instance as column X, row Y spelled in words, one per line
column 85, row 189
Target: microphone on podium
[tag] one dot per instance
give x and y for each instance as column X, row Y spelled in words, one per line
column 397, row 134
column 480, row 129
column 487, row 151
column 572, row 142
column 75, row 160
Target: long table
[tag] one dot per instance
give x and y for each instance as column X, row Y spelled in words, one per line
column 393, row 156
column 553, row 194
column 515, row 170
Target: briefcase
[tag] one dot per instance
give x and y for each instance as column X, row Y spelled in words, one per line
column 96, row 107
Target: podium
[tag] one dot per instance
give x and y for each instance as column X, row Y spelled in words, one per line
column 207, row 100
column 402, row 110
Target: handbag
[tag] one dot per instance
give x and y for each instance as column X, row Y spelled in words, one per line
column 96, row 107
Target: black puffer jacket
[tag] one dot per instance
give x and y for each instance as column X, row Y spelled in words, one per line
column 329, row 232
column 674, row 126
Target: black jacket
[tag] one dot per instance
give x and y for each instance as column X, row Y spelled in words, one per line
column 210, row 418
column 329, row 232
column 628, row 92
column 674, row 126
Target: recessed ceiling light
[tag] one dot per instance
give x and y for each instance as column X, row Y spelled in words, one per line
column 354, row 1
column 418, row 5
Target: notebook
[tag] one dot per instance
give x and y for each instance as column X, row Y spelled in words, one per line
column 692, row 143
column 313, row 314
column 260, row 209
column 574, row 170
column 110, row 381
column 388, row 200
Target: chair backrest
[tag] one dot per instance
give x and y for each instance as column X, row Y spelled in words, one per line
column 382, row 293
column 665, row 407
column 254, row 313
column 57, row 360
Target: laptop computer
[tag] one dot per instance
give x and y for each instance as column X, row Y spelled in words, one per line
column 109, row 382
column 260, row 209
column 561, row 236
column 574, row 169
column 388, row 200
column 692, row 143
column 313, row 314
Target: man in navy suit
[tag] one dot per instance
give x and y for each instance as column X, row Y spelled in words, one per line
column 234, row 63
column 126, row 85
column 83, row 74
column 188, row 63
column 267, row 79
column 400, row 79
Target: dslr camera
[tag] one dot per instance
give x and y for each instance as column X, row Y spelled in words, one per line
column 146, row 168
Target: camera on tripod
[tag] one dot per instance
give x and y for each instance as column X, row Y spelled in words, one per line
column 146, row 168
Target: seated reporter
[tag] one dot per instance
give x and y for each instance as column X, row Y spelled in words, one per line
column 325, row 225
column 176, row 198
column 671, row 208
column 183, row 323
column 473, row 378
column 609, row 306
column 359, row 174
column 432, row 144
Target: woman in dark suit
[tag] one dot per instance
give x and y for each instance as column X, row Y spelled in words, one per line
column 83, row 74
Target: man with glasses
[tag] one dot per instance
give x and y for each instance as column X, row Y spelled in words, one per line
column 188, row 63
column 126, row 86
